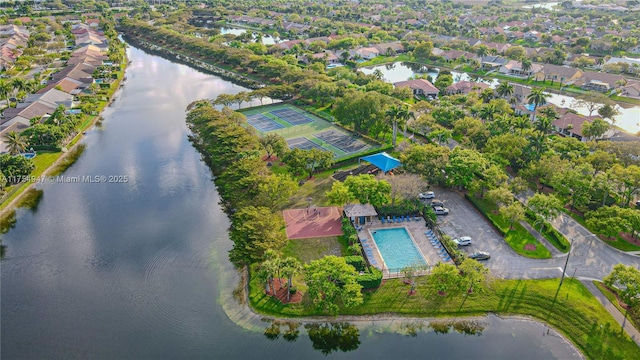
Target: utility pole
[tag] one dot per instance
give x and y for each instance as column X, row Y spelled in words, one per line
column 565, row 264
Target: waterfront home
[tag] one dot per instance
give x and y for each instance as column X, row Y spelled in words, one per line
column 520, row 94
column 514, row 68
column 563, row 74
column 465, row 87
column 366, row 53
column 492, row 62
column 420, row 87
column 603, row 82
column 632, row 90
column 394, row 47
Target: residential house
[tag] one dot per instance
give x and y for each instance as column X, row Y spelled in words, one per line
column 453, row 55
column 492, row 62
column 329, row 56
column 367, row 53
column 532, row 36
column 465, row 87
column 420, row 87
column 17, row 127
column 520, row 94
column 563, row 74
column 602, row 82
column 631, row 90
column 514, row 68
column 571, row 124
column 394, row 47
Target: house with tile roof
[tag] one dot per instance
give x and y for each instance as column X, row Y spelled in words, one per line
column 563, row 74
column 419, row 87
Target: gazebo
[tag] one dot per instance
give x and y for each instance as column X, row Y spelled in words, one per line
column 360, row 213
column 383, row 161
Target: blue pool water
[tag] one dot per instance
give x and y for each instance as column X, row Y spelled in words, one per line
column 29, row 155
column 397, row 248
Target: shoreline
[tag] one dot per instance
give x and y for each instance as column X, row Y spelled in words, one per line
column 10, row 206
column 247, row 318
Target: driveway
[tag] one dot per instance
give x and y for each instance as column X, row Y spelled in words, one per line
column 590, row 258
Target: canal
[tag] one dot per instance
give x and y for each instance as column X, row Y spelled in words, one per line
column 138, row 269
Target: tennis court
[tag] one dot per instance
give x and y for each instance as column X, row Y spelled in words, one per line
column 303, row 143
column 344, row 142
column 291, row 116
column 263, row 123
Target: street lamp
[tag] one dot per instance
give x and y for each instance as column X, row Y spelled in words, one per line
column 566, row 263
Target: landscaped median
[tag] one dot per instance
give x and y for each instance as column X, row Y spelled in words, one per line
column 574, row 311
column 520, row 240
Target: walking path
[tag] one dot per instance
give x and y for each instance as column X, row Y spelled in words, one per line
column 628, row 327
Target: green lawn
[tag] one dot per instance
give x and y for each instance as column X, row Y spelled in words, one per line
column 619, row 243
column 517, row 237
column 307, row 250
column 575, row 311
column 554, row 237
column 613, row 298
column 42, row 161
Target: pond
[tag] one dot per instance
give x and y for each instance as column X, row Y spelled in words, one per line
column 401, row 71
column 266, row 38
column 138, row 268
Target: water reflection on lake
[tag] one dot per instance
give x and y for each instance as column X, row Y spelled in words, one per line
column 266, row 38
column 403, row 71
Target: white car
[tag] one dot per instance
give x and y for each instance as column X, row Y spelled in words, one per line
column 439, row 210
column 427, row 195
column 462, row 241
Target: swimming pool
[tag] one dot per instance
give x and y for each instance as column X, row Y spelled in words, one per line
column 397, row 248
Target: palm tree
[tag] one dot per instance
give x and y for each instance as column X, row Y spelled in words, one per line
column 526, row 66
column 15, row 142
column 5, row 90
column 19, row 84
column 482, row 50
column 486, row 95
column 398, row 113
column 487, row 112
column 504, row 89
column 537, row 97
column 290, row 267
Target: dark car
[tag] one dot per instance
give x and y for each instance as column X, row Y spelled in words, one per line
column 480, row 255
column 435, row 203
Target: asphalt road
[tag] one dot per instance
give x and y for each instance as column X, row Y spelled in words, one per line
column 590, row 258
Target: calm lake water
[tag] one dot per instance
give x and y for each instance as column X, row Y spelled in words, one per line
column 139, row 270
column 629, row 118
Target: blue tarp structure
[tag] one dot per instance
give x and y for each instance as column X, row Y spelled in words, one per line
column 383, row 161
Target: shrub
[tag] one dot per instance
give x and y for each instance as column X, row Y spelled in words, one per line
column 356, row 261
column 371, row 280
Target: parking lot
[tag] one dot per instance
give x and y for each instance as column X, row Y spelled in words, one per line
column 465, row 220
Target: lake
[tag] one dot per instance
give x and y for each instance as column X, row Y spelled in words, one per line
column 139, row 269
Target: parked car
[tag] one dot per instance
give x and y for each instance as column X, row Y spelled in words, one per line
column 439, row 210
column 462, row 241
column 480, row 255
column 435, row 203
column 426, row 195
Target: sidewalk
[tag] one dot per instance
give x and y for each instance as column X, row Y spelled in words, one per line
column 633, row 333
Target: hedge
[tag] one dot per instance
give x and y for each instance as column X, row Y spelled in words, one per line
column 371, row 280
column 356, row 261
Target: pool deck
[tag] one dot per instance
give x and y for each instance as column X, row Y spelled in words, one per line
column 416, row 229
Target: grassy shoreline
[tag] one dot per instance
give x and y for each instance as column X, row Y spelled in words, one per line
column 574, row 311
